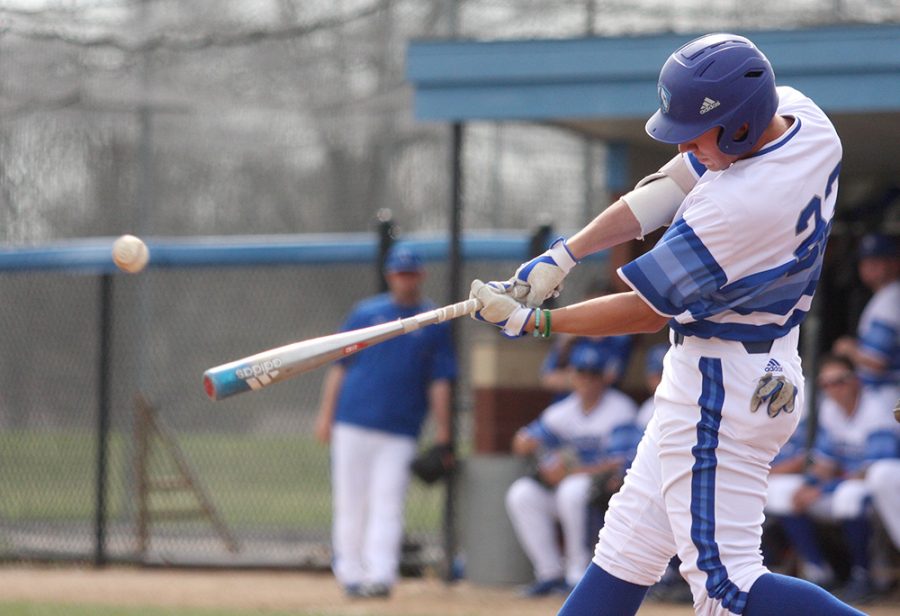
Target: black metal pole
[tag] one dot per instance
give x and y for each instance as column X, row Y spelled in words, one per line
column 103, row 406
column 810, row 334
column 386, row 234
column 454, row 295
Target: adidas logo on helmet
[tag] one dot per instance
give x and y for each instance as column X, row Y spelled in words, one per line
column 708, row 105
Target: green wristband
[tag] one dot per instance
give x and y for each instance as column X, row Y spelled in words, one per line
column 546, row 333
column 537, row 324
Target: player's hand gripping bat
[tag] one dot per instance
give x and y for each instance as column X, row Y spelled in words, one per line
column 275, row 365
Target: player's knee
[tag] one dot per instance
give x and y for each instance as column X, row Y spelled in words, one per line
column 849, row 499
column 780, row 494
column 883, row 476
column 572, row 492
column 518, row 495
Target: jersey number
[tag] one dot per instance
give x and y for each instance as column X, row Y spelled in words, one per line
column 813, row 246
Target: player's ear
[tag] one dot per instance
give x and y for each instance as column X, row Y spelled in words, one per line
column 741, row 133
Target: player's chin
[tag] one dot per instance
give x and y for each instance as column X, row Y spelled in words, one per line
column 713, row 165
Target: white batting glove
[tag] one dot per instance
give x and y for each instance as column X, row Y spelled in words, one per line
column 778, row 394
column 499, row 308
column 541, row 278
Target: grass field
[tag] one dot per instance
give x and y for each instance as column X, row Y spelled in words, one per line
column 260, row 481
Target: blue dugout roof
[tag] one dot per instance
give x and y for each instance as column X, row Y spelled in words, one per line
column 606, row 87
column 845, row 69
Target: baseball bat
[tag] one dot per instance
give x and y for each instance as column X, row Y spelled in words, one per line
column 275, row 365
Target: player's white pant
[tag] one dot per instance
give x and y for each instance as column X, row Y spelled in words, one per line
column 369, row 475
column 883, row 483
column 847, row 501
column 780, row 494
column 698, row 484
column 534, row 510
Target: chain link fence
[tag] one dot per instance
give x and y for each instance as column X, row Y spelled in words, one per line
column 103, row 388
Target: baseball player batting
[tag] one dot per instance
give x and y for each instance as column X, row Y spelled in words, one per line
column 748, row 202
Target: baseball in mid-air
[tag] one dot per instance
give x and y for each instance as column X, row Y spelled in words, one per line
column 130, row 254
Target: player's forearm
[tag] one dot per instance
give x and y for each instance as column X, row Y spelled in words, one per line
column 872, row 364
column 607, row 465
column 610, row 315
column 331, row 387
column 439, row 394
column 616, row 224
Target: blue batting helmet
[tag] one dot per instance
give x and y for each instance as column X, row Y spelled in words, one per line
column 716, row 80
column 401, row 259
column 594, row 355
column 875, row 245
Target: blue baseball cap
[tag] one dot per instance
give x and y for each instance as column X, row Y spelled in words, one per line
column 877, row 245
column 654, row 360
column 402, row 259
column 592, row 356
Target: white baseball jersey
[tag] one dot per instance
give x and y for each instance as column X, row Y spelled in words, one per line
column 593, row 434
column 736, row 272
column 879, row 334
column 743, row 255
column 645, row 412
column 869, row 433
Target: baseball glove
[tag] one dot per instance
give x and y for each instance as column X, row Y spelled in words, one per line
column 434, row 463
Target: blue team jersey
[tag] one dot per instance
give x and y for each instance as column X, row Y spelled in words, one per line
column 879, row 335
column 386, row 386
column 741, row 259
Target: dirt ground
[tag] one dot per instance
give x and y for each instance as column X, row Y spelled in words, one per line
column 283, row 591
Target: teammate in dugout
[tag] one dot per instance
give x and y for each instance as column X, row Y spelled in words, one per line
column 749, row 201
column 372, row 409
column 856, row 435
column 876, row 348
column 589, row 433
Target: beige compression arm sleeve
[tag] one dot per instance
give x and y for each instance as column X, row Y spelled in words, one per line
column 656, row 198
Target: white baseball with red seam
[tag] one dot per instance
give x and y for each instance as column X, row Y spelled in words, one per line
column 130, row 254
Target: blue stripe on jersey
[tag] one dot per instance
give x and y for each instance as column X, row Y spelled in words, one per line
column 680, row 274
column 677, row 273
column 880, row 339
column 538, row 430
column 703, row 489
column 699, row 169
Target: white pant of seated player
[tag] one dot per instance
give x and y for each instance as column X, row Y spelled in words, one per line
column 883, row 483
column 534, row 510
column 370, row 475
column 847, row 501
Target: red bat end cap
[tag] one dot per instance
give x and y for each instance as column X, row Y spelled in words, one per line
column 209, row 387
